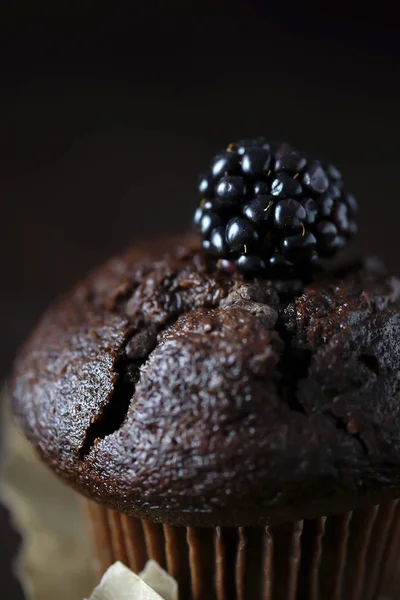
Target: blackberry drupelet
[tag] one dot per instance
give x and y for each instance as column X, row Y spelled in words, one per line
column 270, row 209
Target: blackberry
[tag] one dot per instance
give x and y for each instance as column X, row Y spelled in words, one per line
column 240, row 235
column 315, row 179
column 209, row 221
column 270, row 209
column 289, row 214
column 258, row 210
column 288, row 159
column 285, row 185
column 311, row 210
column 230, row 190
column 299, row 248
column 222, row 163
column 218, row 246
column 261, row 187
column 250, row 263
column 255, row 162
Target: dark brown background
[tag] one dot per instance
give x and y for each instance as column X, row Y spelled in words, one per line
column 107, row 118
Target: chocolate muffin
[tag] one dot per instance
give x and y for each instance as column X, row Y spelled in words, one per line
column 245, row 433
column 229, row 402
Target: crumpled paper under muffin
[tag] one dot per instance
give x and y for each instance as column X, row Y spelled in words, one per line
column 120, row 583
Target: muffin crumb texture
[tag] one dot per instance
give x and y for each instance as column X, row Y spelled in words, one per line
column 171, row 390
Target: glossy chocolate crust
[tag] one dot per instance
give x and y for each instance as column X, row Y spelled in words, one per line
column 173, row 391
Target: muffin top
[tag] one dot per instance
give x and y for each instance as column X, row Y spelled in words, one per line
column 175, row 391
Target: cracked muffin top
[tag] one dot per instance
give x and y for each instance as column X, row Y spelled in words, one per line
column 171, row 390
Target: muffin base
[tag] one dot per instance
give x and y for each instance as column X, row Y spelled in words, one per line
column 351, row 556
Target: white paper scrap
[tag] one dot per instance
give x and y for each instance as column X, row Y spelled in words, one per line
column 120, row 583
column 160, row 580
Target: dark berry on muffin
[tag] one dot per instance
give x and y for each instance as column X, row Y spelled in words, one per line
column 273, row 200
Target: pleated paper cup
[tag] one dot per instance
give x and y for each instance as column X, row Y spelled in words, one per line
column 351, row 556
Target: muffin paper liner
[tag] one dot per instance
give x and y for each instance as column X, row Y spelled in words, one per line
column 351, row 556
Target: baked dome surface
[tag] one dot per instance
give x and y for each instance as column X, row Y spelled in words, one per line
column 173, row 391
